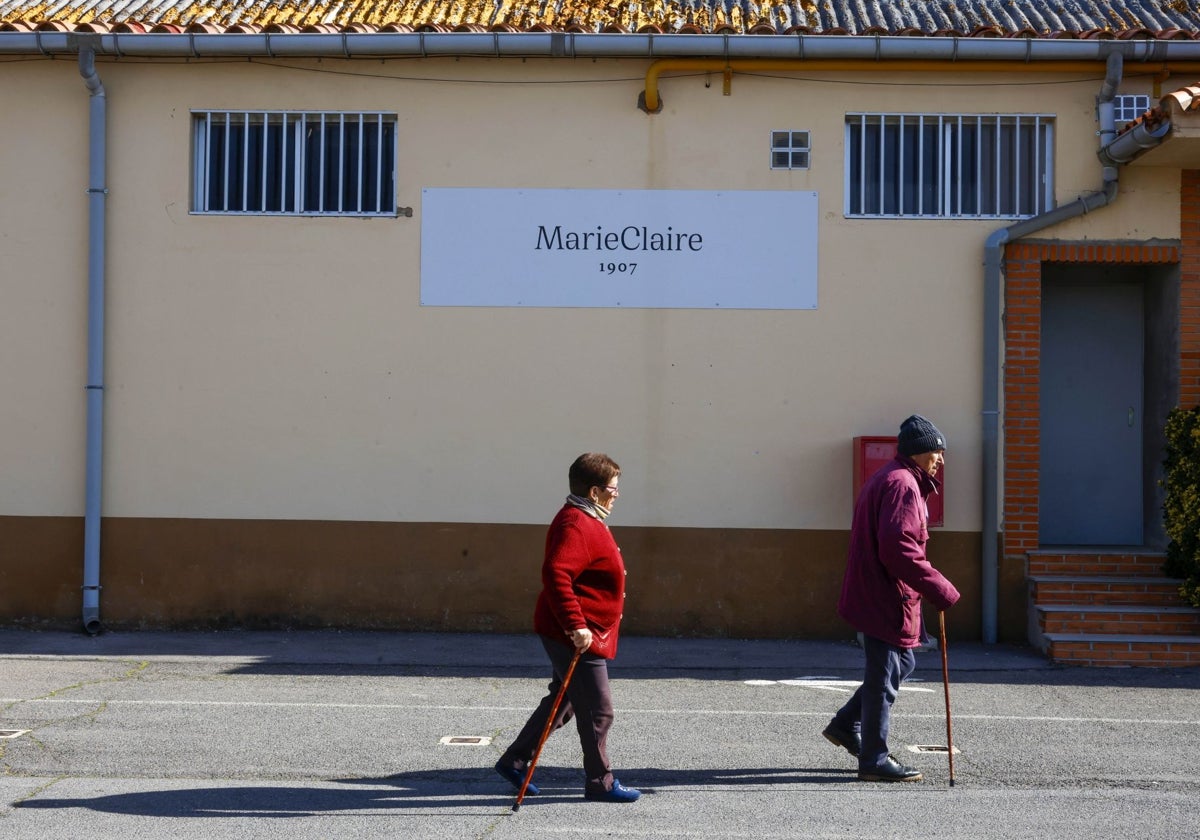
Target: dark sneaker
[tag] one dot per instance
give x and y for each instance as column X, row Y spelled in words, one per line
column 619, row 793
column 847, row 739
column 515, row 777
column 890, row 771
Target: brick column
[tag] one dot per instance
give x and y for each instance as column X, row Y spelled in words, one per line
column 1022, row 382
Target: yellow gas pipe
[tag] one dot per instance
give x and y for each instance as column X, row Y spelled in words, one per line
column 652, row 104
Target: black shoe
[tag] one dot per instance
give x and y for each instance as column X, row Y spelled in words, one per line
column 848, row 740
column 890, row 771
column 516, row 778
column 619, row 793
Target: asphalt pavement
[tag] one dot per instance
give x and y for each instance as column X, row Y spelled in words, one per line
column 325, row 734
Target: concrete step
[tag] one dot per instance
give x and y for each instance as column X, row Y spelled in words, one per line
column 1105, row 589
column 1096, row 649
column 1121, row 562
column 1104, row 619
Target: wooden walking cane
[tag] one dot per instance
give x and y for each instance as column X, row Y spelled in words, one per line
column 546, row 730
column 946, row 684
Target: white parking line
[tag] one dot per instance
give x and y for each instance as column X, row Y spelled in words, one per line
column 829, row 684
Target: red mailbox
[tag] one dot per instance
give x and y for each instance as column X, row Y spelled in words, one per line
column 871, row 453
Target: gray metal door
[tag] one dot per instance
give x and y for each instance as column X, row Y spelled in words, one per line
column 1091, row 414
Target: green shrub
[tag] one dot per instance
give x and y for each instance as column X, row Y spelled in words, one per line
column 1181, row 506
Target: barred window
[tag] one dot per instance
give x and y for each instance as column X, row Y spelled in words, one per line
column 939, row 166
column 294, row 163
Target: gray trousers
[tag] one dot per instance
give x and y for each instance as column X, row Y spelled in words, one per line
column 588, row 700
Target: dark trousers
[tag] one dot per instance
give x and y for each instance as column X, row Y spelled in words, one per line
column 869, row 709
column 588, row 700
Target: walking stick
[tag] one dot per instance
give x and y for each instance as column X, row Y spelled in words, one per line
column 546, row 730
column 946, row 683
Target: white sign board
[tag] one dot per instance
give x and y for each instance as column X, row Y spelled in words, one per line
column 684, row 249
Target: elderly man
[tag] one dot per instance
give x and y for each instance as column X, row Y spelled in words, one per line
column 887, row 574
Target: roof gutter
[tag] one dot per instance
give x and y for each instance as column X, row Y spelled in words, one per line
column 595, row 45
column 1133, row 143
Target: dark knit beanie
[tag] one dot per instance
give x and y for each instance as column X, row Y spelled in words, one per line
column 918, row 435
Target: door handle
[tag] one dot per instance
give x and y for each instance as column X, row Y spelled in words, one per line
column 1131, row 417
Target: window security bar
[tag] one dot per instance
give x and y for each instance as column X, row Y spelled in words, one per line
column 295, row 163
column 939, row 166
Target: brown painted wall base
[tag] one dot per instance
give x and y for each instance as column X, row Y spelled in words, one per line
column 205, row 573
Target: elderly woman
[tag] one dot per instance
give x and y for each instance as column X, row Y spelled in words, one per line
column 579, row 609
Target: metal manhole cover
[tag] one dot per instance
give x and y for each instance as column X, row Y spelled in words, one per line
column 931, row 748
column 466, row 740
column 12, row 733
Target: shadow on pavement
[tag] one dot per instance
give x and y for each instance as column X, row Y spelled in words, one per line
column 278, row 801
column 441, row 790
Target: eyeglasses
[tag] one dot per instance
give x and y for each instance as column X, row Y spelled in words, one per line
column 612, row 488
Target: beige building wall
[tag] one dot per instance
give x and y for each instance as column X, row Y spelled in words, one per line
column 282, row 370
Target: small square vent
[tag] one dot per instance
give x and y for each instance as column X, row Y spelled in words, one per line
column 789, row 149
column 1129, row 106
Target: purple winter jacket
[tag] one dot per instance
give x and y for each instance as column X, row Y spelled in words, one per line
column 886, row 570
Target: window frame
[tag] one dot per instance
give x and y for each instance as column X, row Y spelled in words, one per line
column 994, row 196
column 792, row 148
column 1129, row 106
column 290, row 150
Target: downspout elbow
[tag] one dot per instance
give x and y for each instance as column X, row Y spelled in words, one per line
column 1114, row 70
column 1106, row 99
column 87, row 69
column 1110, row 189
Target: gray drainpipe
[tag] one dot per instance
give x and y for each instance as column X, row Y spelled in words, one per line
column 97, row 193
column 992, row 292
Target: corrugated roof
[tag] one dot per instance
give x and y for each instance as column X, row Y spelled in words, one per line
column 1162, row 19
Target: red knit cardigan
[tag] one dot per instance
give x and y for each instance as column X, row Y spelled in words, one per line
column 583, row 582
